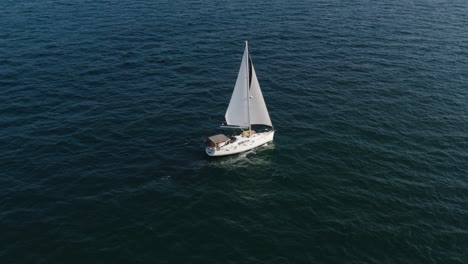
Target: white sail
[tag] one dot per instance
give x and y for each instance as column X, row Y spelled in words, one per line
column 237, row 113
column 258, row 110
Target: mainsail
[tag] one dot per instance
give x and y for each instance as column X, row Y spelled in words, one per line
column 239, row 112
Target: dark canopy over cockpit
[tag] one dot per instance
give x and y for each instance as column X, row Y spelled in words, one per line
column 218, row 138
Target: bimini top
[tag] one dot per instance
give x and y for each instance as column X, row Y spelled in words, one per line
column 218, row 138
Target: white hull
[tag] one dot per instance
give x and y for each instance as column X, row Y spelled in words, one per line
column 243, row 143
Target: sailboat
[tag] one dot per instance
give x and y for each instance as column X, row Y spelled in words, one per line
column 247, row 108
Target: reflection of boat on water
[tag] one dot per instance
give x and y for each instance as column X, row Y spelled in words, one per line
column 246, row 109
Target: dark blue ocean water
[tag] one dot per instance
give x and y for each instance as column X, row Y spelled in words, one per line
column 104, row 105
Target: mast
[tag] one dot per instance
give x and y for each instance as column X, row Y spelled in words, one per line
column 247, row 77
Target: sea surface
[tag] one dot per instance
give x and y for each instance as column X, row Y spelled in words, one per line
column 104, row 106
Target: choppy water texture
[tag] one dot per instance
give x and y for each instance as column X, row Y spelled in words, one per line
column 103, row 106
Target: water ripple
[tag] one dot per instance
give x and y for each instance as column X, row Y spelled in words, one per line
column 104, row 106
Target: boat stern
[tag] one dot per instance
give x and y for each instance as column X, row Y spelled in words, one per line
column 210, row 151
